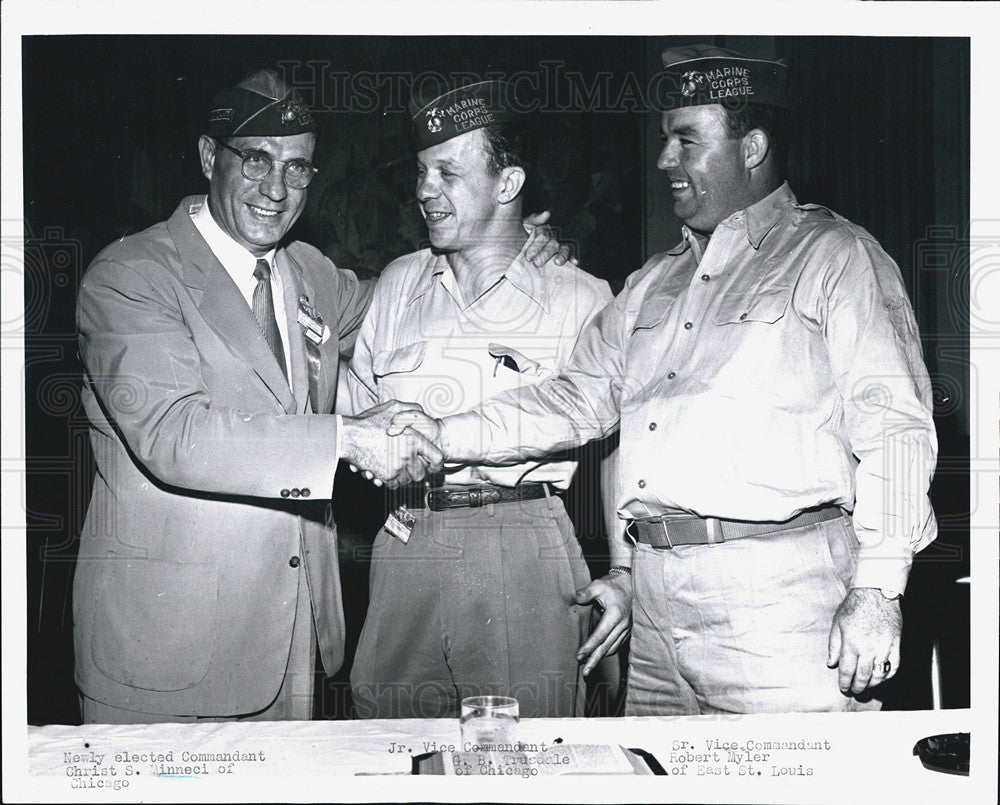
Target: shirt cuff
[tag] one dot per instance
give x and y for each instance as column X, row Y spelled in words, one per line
column 336, row 447
column 886, row 573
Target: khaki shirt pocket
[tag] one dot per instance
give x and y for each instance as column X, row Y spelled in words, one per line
column 516, row 361
column 401, row 360
column 765, row 305
column 652, row 314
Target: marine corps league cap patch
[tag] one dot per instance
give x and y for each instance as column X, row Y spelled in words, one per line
column 696, row 75
column 261, row 105
column 439, row 117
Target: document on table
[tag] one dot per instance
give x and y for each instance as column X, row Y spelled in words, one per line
column 525, row 760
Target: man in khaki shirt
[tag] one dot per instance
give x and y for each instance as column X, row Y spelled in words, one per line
column 775, row 424
column 473, row 586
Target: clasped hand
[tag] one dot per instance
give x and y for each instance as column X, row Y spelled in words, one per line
column 389, row 453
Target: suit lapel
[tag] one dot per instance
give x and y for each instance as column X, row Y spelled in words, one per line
column 222, row 304
column 291, row 283
column 329, row 352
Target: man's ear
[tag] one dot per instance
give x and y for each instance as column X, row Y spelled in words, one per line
column 756, row 146
column 511, row 183
column 206, row 151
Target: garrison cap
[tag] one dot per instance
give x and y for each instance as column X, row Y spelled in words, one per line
column 261, row 105
column 440, row 116
column 696, row 75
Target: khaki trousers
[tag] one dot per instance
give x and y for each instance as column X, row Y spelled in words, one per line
column 741, row 626
column 478, row 601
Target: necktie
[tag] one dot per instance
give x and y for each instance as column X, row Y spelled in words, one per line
column 263, row 311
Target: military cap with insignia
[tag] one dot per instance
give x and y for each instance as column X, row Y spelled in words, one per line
column 696, row 75
column 438, row 116
column 261, row 105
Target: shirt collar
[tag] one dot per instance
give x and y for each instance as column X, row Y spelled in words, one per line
column 239, row 262
column 757, row 220
column 521, row 273
column 761, row 217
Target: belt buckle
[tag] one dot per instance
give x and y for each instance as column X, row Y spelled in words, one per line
column 434, row 500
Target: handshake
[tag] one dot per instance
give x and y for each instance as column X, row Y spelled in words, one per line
column 392, row 444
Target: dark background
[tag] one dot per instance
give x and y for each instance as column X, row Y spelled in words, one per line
column 110, row 131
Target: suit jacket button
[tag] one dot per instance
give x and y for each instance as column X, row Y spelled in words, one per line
column 285, row 493
column 305, row 492
column 293, row 562
column 295, row 493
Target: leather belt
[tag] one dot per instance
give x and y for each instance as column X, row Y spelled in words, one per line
column 670, row 530
column 460, row 497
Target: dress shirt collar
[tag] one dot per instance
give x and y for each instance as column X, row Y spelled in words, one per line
column 757, row 220
column 521, row 273
column 237, row 261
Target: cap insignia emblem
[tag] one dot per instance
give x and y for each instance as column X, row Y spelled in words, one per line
column 434, row 121
column 690, row 82
column 294, row 110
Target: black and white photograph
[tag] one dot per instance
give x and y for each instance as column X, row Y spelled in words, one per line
column 520, row 397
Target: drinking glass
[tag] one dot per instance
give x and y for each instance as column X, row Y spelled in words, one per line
column 489, row 722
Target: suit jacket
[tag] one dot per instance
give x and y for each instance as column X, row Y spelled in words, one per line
column 213, row 479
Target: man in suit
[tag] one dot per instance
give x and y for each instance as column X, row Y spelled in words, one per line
column 207, row 575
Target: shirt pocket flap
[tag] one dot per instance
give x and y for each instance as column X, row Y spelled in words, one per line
column 404, row 359
column 765, row 305
column 520, row 363
column 652, row 314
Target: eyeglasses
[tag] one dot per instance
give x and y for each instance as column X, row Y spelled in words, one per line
column 257, row 166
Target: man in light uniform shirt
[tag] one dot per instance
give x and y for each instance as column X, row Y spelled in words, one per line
column 776, row 440
column 477, row 594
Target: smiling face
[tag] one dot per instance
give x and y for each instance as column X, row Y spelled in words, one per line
column 254, row 214
column 458, row 196
column 708, row 170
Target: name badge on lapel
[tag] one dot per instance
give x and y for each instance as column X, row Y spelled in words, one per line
column 316, row 333
column 312, row 323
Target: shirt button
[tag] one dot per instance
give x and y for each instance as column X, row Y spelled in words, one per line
column 705, row 278
column 293, row 562
column 305, row 492
column 671, row 375
column 295, row 493
column 688, row 325
column 743, row 316
column 285, row 493
column 642, row 483
column 652, row 426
